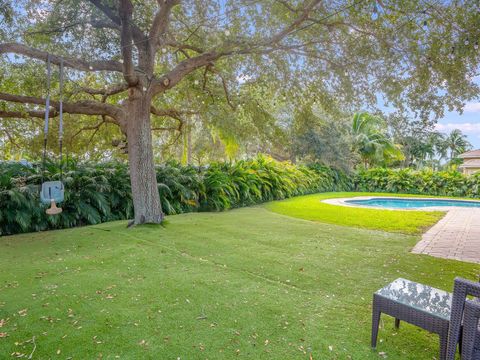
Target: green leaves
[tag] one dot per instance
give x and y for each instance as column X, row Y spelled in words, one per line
column 96, row 193
column 425, row 182
column 262, row 179
column 93, row 195
column 371, row 141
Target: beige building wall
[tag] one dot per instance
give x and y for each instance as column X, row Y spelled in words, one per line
column 470, row 171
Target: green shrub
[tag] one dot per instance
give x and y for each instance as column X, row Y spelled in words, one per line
column 424, row 182
column 96, row 193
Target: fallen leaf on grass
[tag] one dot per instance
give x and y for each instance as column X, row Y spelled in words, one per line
column 3, row 334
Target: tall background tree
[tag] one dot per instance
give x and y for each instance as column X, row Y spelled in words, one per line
column 372, row 142
column 161, row 65
column 456, row 143
column 424, row 146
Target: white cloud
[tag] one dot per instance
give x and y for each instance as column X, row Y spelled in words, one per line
column 467, row 128
column 472, row 107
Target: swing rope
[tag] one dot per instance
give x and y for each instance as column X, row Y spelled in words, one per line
column 60, row 125
column 47, row 114
column 53, row 191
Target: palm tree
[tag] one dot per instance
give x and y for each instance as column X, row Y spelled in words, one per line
column 438, row 141
column 371, row 141
column 435, row 145
column 457, row 143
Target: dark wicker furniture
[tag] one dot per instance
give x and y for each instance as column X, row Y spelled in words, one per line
column 432, row 309
column 415, row 303
column 461, row 290
column 471, row 333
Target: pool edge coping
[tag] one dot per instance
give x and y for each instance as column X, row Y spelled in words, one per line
column 342, row 202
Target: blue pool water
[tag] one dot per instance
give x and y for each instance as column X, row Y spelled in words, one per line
column 405, row 203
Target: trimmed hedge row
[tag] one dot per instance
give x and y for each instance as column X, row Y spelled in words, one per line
column 424, row 182
column 96, row 193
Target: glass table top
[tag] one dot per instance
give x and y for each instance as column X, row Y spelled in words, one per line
column 418, row 296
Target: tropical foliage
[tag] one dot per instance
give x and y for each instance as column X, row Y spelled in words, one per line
column 456, row 143
column 424, row 146
column 371, row 141
column 425, row 182
column 101, row 192
column 318, row 136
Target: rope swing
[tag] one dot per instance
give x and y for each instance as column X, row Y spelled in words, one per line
column 53, row 192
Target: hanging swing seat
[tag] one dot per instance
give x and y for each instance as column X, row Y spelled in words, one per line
column 52, row 193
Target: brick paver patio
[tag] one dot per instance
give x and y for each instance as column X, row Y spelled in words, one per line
column 456, row 236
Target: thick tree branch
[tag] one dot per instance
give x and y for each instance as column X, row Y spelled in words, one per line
column 161, row 22
column 20, row 49
column 126, row 10
column 85, row 107
column 111, row 14
column 27, row 114
column 104, row 24
column 185, row 67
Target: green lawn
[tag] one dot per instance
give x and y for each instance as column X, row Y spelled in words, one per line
column 247, row 283
column 312, row 208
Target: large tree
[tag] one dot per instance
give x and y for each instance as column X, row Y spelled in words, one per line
column 129, row 60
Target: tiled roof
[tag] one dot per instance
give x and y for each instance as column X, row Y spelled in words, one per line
column 470, row 154
column 472, row 163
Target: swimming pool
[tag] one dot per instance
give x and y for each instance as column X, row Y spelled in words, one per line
column 406, row 203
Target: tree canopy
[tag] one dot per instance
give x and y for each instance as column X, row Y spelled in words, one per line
column 229, row 71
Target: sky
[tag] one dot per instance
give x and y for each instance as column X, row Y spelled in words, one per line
column 468, row 122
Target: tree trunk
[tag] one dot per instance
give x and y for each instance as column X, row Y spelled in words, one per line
column 146, row 199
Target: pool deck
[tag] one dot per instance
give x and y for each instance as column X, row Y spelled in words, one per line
column 456, row 236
